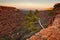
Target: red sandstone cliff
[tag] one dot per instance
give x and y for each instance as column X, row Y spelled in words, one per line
column 10, row 20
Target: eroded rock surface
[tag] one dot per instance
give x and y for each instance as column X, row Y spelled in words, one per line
column 10, row 20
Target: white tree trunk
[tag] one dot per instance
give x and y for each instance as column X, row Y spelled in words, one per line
column 40, row 23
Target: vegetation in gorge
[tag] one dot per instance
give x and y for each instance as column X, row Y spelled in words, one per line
column 31, row 23
column 6, row 37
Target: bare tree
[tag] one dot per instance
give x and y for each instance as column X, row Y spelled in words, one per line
column 40, row 23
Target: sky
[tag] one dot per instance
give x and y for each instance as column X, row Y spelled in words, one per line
column 29, row 4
